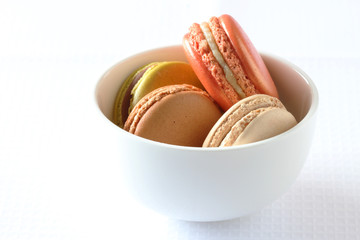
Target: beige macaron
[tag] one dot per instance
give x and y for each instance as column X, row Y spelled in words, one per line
column 175, row 114
column 252, row 119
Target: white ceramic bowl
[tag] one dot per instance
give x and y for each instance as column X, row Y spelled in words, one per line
column 212, row 184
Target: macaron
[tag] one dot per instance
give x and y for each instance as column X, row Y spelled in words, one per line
column 175, row 114
column 252, row 119
column 226, row 62
column 146, row 79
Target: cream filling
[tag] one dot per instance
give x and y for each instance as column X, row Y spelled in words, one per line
column 217, row 54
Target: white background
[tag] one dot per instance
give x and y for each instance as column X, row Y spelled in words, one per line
column 58, row 176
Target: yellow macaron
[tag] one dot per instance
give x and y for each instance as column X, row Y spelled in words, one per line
column 148, row 78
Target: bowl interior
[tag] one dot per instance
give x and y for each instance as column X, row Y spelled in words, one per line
column 294, row 90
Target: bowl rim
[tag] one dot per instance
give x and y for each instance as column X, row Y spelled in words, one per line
column 309, row 115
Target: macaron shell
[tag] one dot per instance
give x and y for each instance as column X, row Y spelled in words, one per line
column 241, row 125
column 163, row 74
column 179, row 117
column 150, row 99
column 242, row 82
column 266, row 125
column 253, row 64
column 235, row 113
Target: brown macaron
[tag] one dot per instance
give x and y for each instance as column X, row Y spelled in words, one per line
column 175, row 114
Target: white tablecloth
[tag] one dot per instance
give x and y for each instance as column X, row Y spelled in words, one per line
column 58, row 175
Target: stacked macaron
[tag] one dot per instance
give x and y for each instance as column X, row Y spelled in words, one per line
column 165, row 102
column 225, row 96
column 148, row 78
